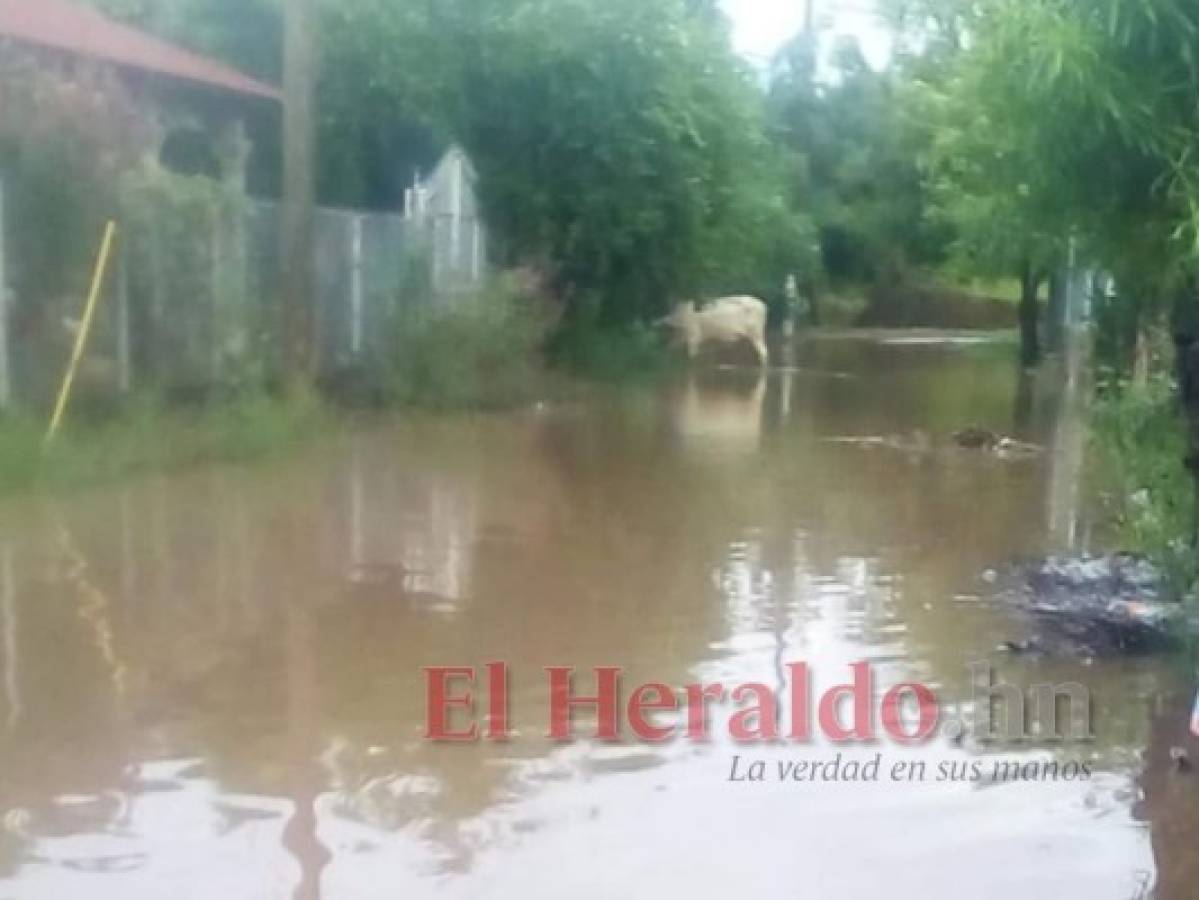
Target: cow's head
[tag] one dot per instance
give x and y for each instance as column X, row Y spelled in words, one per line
column 679, row 317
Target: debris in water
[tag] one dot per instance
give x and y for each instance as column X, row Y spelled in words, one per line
column 1090, row 605
column 974, row 438
column 1031, row 645
column 970, row 439
column 1181, row 759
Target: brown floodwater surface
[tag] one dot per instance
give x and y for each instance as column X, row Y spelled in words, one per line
column 211, row 685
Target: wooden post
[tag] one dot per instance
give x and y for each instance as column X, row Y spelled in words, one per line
column 296, row 238
column 5, row 374
column 356, row 287
column 85, row 327
column 476, row 261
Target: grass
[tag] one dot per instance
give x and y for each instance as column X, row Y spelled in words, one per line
column 1140, row 442
column 1006, row 289
column 145, row 436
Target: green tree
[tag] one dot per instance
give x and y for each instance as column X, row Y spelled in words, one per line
column 623, row 142
column 855, row 162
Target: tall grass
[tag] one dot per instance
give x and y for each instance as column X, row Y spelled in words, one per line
column 146, row 435
column 1140, row 443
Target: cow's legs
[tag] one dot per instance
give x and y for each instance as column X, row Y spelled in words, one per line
column 760, row 349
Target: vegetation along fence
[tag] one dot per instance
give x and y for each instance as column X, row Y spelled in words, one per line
column 191, row 299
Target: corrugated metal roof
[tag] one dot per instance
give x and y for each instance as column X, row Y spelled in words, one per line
column 83, row 31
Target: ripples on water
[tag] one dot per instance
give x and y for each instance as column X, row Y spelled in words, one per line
column 211, row 682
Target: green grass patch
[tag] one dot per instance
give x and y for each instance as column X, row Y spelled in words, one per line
column 1140, row 443
column 146, row 436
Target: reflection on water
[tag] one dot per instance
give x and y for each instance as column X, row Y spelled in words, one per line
column 213, row 680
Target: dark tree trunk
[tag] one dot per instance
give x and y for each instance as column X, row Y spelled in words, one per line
column 1055, row 330
column 1184, row 322
column 1029, row 312
column 814, row 317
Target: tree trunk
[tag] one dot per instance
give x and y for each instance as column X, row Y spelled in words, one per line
column 1141, row 352
column 1055, row 330
column 1029, row 313
column 1184, row 322
column 296, row 276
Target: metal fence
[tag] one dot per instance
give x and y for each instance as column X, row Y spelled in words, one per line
column 193, row 301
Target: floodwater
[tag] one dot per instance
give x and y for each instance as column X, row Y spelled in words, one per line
column 211, row 685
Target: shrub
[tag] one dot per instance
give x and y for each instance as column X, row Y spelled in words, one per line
column 611, row 353
column 1140, row 442
column 477, row 351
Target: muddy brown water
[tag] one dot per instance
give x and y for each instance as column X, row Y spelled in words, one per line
column 210, row 683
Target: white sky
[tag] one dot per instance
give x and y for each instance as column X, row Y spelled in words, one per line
column 762, row 26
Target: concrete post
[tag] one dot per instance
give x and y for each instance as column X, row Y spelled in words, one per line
column 456, row 214
column 356, row 287
column 476, row 259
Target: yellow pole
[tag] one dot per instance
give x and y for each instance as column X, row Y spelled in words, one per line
column 85, row 327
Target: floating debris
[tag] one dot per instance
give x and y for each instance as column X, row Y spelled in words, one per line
column 974, row 438
column 1089, row 606
column 969, row 439
column 1181, row 759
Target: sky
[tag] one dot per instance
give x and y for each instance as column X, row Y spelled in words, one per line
column 760, row 27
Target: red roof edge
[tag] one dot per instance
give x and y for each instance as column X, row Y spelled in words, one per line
column 83, row 31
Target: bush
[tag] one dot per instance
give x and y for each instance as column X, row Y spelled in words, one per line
column 480, row 351
column 1140, row 443
column 611, row 353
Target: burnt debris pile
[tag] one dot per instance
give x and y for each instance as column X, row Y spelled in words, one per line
column 1089, row 606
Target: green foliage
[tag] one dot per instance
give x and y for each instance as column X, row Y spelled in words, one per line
column 613, row 353
column 1139, row 442
column 476, row 352
column 854, row 162
column 189, row 232
column 65, row 138
column 621, row 146
column 623, row 142
column 386, row 94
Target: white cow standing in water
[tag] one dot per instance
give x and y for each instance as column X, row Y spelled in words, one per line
column 724, row 321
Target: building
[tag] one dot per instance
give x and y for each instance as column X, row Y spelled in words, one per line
column 205, row 108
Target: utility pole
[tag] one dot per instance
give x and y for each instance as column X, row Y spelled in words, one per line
column 296, row 230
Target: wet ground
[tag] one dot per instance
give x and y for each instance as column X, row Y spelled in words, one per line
column 210, row 683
